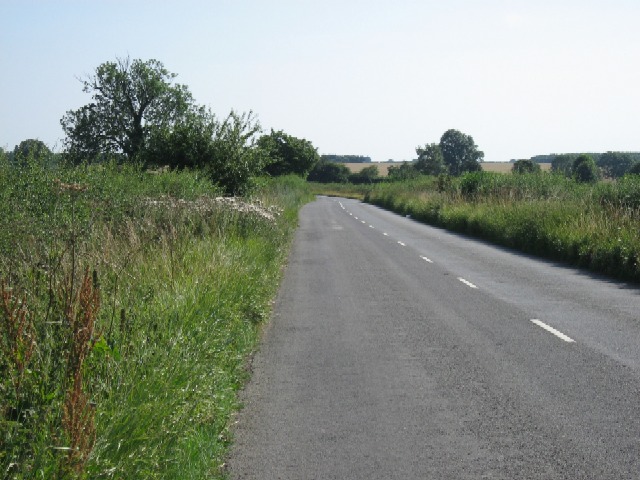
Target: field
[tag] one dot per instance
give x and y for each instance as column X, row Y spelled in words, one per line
column 505, row 167
column 383, row 168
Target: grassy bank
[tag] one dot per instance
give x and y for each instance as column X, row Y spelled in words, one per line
column 130, row 302
column 346, row 190
column 590, row 225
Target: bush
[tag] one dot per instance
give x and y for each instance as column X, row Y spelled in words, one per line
column 585, row 170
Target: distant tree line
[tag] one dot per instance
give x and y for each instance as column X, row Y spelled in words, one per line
column 345, row 158
column 610, row 164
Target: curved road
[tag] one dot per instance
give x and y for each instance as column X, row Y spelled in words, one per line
column 401, row 351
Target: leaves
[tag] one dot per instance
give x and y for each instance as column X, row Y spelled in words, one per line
column 459, row 152
column 129, row 99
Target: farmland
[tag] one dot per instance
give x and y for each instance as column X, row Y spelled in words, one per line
column 383, row 168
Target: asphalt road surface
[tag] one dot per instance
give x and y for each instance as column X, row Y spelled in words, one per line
column 401, row 351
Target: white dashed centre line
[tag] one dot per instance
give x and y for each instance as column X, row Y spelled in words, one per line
column 403, row 244
column 557, row 333
column 371, row 226
column 426, row 259
column 385, row 234
column 362, row 221
column 467, row 283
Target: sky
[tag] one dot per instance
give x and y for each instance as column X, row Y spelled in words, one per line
column 354, row 77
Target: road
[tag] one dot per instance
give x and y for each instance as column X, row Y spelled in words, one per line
column 402, row 351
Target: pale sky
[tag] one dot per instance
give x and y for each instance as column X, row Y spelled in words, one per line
column 359, row 77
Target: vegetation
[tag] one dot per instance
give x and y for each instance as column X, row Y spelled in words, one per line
column 526, row 166
column 369, row 174
column 346, row 190
column 129, row 302
column 139, row 115
column 587, row 224
column 288, row 154
column 584, row 169
column 329, row 172
column 129, row 100
column 430, row 160
column 346, row 158
column 460, row 153
column 130, row 297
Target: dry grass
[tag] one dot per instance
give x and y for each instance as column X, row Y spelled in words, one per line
column 383, row 168
column 505, row 167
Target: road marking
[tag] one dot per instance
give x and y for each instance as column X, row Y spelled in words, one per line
column 403, row 244
column 557, row 333
column 351, row 214
column 426, row 259
column 371, row 226
column 467, row 283
column 362, row 221
column 385, row 234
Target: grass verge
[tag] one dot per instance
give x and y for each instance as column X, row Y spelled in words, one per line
column 130, row 302
column 590, row 225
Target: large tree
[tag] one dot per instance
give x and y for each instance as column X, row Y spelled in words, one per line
column 288, row 154
column 130, row 98
column 430, row 160
column 460, row 153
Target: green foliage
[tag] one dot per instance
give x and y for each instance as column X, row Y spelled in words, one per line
column 592, row 225
column 31, row 150
column 615, row 164
column 329, row 172
column 129, row 100
column 430, row 160
column 367, row 175
column 288, row 154
column 459, row 152
column 346, row 158
column 563, row 164
column 525, row 166
column 184, row 278
column 402, row 172
column 635, row 169
column 223, row 150
column 584, row 169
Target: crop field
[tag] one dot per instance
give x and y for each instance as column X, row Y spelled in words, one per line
column 383, row 168
column 505, row 167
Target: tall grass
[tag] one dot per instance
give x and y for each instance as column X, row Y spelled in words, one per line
column 129, row 303
column 594, row 226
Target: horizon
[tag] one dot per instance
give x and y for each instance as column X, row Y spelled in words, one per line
column 351, row 76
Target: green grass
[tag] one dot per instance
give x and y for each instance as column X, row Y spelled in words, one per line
column 346, row 190
column 592, row 226
column 184, row 282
